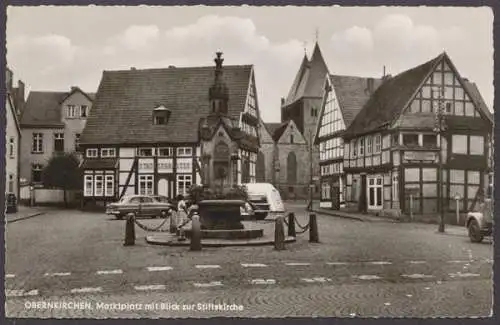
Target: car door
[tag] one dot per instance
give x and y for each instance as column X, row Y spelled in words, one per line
column 133, row 205
column 147, row 206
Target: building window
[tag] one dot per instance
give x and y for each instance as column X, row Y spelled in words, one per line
column 165, row 152
column 77, row 142
column 184, row 182
column 109, row 185
column 459, row 144
column 291, row 138
column 146, row 184
column 378, row 143
column 72, row 111
column 88, row 185
column 37, row 143
column 108, row 152
column 369, row 145
column 98, row 185
column 429, row 140
column 145, row 152
column 374, row 192
column 36, row 173
column 91, row 153
column 325, row 191
column 361, row 147
column 476, row 145
column 11, row 147
column 184, row 152
column 160, row 120
column 83, row 111
column 410, row 139
column 354, row 148
column 58, row 142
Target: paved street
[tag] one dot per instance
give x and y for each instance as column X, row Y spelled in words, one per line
column 359, row 269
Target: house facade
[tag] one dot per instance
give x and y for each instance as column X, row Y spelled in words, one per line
column 12, row 141
column 159, row 131
column 51, row 123
column 286, row 159
column 343, row 98
column 392, row 150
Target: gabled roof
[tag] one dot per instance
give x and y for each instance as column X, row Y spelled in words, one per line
column 43, row 108
column 309, row 79
column 352, row 94
column 276, row 129
column 478, row 99
column 122, row 110
column 390, row 99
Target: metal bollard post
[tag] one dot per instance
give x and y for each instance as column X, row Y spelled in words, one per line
column 279, row 234
column 195, row 244
column 291, row 225
column 129, row 231
column 313, row 229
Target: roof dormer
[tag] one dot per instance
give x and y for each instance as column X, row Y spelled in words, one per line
column 161, row 115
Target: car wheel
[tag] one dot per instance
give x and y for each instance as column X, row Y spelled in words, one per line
column 475, row 232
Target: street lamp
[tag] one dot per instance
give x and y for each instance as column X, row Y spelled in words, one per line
column 439, row 129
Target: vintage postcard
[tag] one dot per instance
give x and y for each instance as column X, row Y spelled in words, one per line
column 198, row 162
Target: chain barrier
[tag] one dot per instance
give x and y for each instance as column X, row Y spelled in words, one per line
column 156, row 229
column 306, row 228
column 300, row 226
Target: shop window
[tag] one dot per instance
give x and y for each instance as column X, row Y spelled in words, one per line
column 476, row 145
column 412, row 175
column 429, row 140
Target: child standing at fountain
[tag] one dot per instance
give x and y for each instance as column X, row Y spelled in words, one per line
column 181, row 210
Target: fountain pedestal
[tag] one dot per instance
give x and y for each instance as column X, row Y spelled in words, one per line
column 220, row 214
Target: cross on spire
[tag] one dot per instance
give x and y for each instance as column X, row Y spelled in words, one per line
column 304, row 44
column 317, row 34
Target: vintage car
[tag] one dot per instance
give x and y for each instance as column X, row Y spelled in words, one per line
column 480, row 223
column 140, row 205
column 264, row 199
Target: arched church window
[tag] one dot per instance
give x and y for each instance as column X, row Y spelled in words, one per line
column 261, row 168
column 291, row 166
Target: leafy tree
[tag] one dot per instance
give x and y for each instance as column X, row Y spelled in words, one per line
column 63, row 172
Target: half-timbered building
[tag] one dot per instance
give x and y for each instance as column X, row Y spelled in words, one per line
column 343, row 98
column 159, row 131
column 392, row 148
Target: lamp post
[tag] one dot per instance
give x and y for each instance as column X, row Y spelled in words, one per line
column 439, row 129
column 310, row 205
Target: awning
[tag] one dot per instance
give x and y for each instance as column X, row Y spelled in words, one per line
column 99, row 163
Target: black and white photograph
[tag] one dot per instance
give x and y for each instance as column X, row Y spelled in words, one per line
column 248, row 162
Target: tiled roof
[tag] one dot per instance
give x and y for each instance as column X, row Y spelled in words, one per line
column 352, row 94
column 43, row 108
column 272, row 127
column 122, row 110
column 277, row 129
column 478, row 99
column 309, row 79
column 390, row 99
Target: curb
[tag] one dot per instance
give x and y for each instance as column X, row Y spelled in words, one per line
column 333, row 214
column 24, row 218
column 186, row 243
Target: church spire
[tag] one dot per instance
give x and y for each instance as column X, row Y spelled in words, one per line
column 218, row 92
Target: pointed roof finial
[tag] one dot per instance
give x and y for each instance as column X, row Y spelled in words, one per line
column 305, row 50
column 317, row 34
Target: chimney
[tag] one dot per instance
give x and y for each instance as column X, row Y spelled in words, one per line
column 73, row 88
column 386, row 77
column 282, row 101
column 171, row 66
column 133, row 68
column 19, row 96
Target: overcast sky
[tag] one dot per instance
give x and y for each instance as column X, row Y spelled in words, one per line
column 54, row 48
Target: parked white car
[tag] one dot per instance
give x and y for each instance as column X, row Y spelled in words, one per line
column 265, row 199
column 480, row 223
